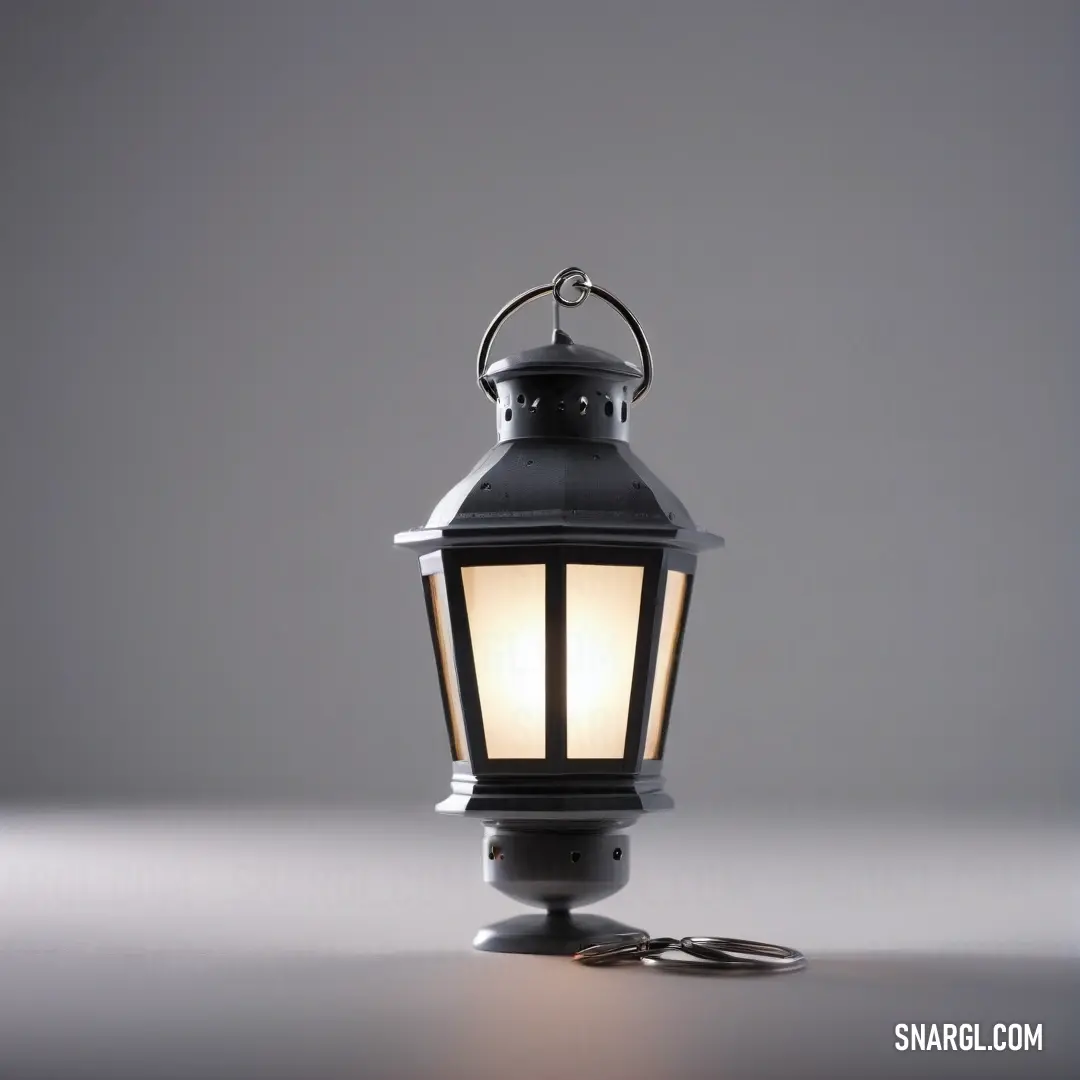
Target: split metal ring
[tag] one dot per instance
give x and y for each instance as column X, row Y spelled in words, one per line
column 698, row 954
column 579, row 279
column 617, row 951
column 730, row 954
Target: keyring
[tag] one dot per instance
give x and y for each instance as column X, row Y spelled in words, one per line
column 732, row 956
column 580, row 280
column 735, row 952
column 615, row 951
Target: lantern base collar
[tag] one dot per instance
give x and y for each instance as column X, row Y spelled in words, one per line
column 557, row 933
column 571, row 800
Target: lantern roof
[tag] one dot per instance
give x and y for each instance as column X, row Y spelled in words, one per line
column 569, row 490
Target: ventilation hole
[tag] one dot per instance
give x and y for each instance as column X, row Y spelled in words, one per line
column 623, row 416
column 617, row 854
column 671, row 515
column 609, row 408
column 599, row 393
column 624, row 389
column 596, row 457
column 521, row 399
column 528, row 461
column 508, row 414
column 485, row 486
column 637, row 485
column 535, row 405
column 575, row 856
column 583, row 405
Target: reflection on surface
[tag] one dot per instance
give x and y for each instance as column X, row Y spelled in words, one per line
column 138, row 1016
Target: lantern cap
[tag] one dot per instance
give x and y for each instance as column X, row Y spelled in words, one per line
column 564, row 357
column 563, row 391
column 575, row 276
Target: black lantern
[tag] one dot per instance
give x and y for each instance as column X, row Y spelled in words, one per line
column 557, row 577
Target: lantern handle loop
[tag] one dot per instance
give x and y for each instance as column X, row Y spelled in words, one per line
column 580, row 280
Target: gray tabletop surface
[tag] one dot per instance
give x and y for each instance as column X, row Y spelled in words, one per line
column 284, row 945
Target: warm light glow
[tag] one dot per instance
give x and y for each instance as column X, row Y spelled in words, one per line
column 670, row 624
column 602, row 608
column 506, row 607
column 439, row 604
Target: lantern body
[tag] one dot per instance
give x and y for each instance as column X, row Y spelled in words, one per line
column 557, row 578
column 557, row 659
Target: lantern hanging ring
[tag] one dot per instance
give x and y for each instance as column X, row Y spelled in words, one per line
column 572, row 275
column 581, row 281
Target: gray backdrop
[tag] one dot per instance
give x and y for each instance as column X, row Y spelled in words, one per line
column 248, row 253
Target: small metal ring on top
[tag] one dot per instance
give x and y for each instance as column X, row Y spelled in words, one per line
column 581, row 281
column 572, row 275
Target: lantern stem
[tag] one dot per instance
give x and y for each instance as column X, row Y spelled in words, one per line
column 556, row 867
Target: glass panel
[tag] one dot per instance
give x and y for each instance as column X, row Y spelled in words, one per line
column 437, row 585
column 602, row 608
column 506, row 606
column 670, row 625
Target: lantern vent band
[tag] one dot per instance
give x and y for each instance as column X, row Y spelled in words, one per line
column 577, row 277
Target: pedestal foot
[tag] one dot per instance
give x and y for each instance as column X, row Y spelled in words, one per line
column 553, row 934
